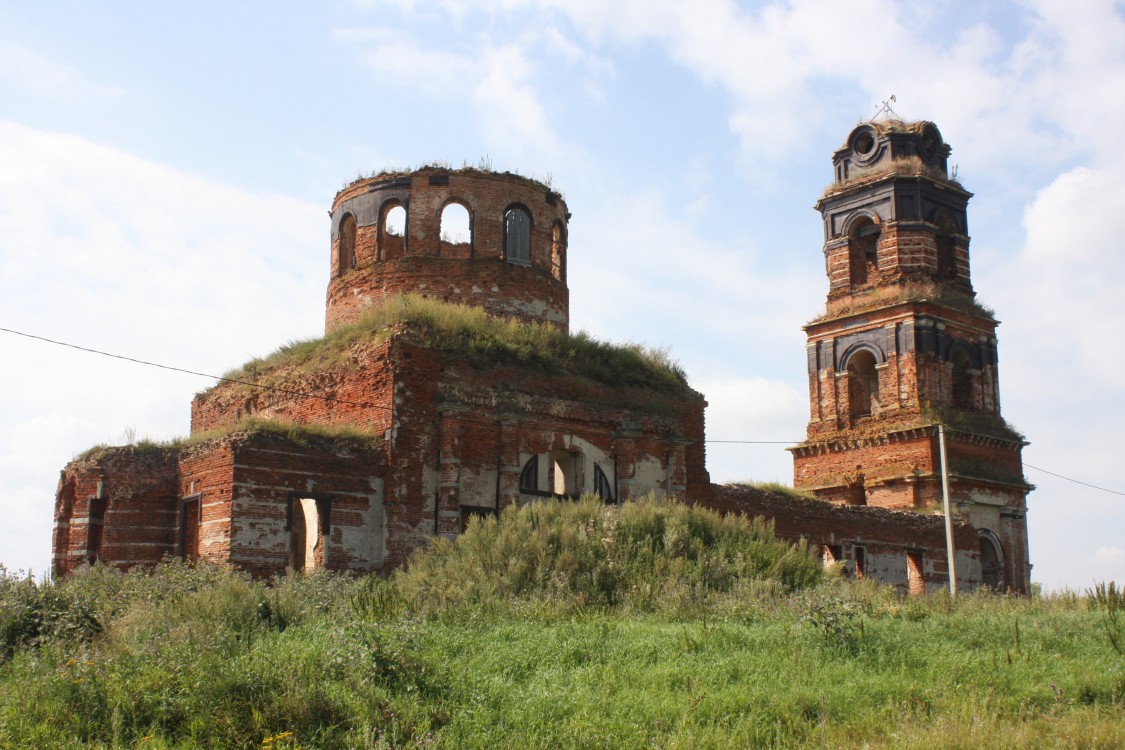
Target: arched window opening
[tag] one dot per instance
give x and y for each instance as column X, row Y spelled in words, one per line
column 558, row 252
column 392, row 240
column 962, row 387
column 946, row 249
column 517, row 236
column 863, row 384
column 991, row 563
column 347, row 244
column 565, row 473
column 863, row 245
column 529, row 476
column 456, row 230
column 395, row 223
column 603, row 488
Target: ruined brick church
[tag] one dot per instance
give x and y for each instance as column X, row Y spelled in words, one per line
column 356, row 450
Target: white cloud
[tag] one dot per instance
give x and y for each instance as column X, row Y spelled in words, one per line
column 508, row 105
column 111, row 252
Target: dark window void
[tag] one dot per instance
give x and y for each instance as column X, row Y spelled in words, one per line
column 95, row 526
column 962, row 387
column 469, row 512
column 831, row 554
column 863, row 384
column 347, row 243
column 517, row 236
column 863, row 250
column 946, row 249
column 860, row 562
column 603, row 487
column 190, row 518
column 991, row 564
column 529, row 477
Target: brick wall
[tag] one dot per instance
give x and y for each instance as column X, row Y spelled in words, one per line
column 885, row 536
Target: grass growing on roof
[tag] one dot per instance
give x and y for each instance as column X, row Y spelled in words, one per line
column 776, row 488
column 297, row 433
column 482, row 340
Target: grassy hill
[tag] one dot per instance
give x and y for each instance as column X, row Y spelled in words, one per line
column 561, row 625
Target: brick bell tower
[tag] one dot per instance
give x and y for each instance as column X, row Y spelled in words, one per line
column 904, row 346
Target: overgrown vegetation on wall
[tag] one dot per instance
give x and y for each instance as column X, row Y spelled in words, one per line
column 664, row 626
column 481, row 340
column 298, row 433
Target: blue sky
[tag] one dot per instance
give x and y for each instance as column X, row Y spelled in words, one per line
column 165, row 174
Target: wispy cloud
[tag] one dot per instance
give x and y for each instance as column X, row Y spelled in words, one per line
column 47, row 79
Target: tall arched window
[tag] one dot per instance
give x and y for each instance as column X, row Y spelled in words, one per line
column 863, row 384
column 863, row 250
column 456, row 228
column 347, row 243
column 392, row 232
column 991, row 561
column 517, row 235
column 603, row 487
column 529, row 476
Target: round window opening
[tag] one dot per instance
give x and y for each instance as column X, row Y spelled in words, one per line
column 864, row 143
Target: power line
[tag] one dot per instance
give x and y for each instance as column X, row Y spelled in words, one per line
column 1084, row 484
column 333, row 399
column 250, row 383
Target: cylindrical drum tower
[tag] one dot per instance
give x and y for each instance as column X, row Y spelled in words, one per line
column 487, row 239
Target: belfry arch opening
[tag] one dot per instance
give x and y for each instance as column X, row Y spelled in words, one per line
column 863, row 250
column 863, row 384
column 946, row 248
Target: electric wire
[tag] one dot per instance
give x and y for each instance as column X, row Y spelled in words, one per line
column 250, row 383
column 1076, row 481
column 334, row 399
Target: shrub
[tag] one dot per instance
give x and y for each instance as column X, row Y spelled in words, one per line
column 32, row 613
column 647, row 555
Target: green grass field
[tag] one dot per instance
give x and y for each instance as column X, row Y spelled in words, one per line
column 545, row 631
